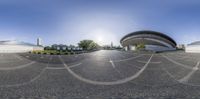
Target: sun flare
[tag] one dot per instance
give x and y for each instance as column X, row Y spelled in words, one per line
column 101, row 36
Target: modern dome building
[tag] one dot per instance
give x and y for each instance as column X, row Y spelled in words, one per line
column 18, row 47
column 154, row 41
column 193, row 47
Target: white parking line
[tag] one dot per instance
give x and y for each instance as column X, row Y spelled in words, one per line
column 17, row 67
column 25, row 83
column 30, row 81
column 113, row 65
column 75, row 65
column 106, row 83
column 180, row 57
column 128, row 58
column 149, row 63
column 18, row 57
column 187, row 77
column 182, row 82
column 177, row 63
column 55, row 68
column 164, row 69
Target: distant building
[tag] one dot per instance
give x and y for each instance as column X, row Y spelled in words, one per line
column 65, row 47
column 17, row 47
column 181, row 46
column 59, row 47
column 111, row 45
column 193, row 47
column 39, row 42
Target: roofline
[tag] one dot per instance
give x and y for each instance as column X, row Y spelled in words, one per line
column 148, row 32
column 18, row 43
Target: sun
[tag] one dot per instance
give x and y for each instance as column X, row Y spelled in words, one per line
column 102, row 36
column 99, row 39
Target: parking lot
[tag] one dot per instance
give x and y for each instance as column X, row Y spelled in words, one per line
column 101, row 74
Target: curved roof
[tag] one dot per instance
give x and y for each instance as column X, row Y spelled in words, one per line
column 148, row 32
column 195, row 43
column 9, row 42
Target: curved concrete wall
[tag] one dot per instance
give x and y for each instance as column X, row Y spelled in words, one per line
column 18, row 48
column 192, row 49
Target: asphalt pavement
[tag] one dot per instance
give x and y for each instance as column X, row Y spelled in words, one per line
column 104, row 74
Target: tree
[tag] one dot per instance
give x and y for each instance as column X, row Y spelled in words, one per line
column 140, row 46
column 71, row 46
column 88, row 45
column 47, row 48
column 93, row 46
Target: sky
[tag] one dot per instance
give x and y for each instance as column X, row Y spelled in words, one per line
column 104, row 21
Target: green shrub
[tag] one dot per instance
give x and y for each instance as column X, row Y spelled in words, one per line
column 66, row 53
column 140, row 46
column 58, row 53
column 51, row 53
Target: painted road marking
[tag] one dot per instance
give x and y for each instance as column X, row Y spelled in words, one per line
column 55, row 68
column 113, row 65
column 180, row 57
column 177, row 63
column 149, row 63
column 30, row 81
column 106, row 83
column 18, row 67
column 169, row 73
column 72, row 66
column 128, row 58
column 187, row 77
column 18, row 57
column 25, row 83
column 174, row 78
